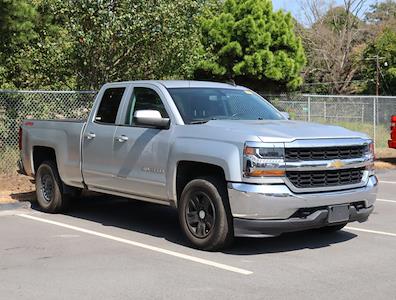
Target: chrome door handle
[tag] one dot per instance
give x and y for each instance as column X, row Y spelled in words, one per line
column 121, row 138
column 91, row 136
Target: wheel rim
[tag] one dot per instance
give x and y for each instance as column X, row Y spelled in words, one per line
column 47, row 187
column 200, row 214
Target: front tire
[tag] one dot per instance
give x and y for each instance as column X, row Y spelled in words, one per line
column 205, row 215
column 49, row 189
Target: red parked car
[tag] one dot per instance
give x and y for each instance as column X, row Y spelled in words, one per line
column 392, row 141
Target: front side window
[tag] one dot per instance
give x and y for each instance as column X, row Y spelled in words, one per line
column 145, row 99
column 108, row 109
column 198, row 105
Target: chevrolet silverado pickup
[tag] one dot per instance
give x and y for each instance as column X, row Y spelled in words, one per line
column 224, row 157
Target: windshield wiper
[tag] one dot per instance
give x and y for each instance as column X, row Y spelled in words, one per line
column 199, row 122
column 202, row 121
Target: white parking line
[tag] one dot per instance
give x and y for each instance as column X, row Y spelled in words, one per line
column 371, row 231
column 386, row 200
column 390, row 182
column 141, row 245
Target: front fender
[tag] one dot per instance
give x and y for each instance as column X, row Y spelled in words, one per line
column 222, row 154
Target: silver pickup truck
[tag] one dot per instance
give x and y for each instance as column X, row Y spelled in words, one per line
column 229, row 162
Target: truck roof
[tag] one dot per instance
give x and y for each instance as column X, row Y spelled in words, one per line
column 184, row 84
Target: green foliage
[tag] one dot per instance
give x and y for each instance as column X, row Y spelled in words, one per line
column 80, row 44
column 51, row 53
column 250, row 43
column 385, row 47
column 16, row 33
column 34, row 47
column 55, row 44
column 127, row 40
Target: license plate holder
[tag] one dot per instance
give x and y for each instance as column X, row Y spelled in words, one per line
column 338, row 214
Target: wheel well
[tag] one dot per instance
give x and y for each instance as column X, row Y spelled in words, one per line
column 189, row 170
column 41, row 154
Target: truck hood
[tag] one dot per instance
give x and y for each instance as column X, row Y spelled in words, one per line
column 285, row 130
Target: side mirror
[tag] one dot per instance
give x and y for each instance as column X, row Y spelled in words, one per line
column 151, row 118
column 285, row 114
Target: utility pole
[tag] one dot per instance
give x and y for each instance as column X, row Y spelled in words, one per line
column 378, row 76
column 377, row 60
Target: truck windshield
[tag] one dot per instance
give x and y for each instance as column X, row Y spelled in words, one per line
column 200, row 105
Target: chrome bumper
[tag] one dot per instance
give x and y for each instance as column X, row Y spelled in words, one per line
column 277, row 203
column 318, row 219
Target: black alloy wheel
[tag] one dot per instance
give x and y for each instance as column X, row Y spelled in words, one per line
column 200, row 214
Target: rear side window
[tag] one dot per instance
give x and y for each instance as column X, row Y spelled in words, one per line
column 107, row 112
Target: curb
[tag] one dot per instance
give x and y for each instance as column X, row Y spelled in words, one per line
column 15, row 205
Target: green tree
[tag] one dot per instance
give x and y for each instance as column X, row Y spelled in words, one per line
column 385, row 47
column 16, row 34
column 50, row 54
column 250, row 43
column 34, row 46
column 125, row 40
column 70, row 44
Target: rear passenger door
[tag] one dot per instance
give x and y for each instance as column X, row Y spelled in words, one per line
column 98, row 139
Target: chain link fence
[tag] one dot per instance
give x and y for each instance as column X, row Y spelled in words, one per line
column 16, row 106
column 367, row 114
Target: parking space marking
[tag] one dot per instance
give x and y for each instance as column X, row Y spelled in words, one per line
column 371, row 231
column 386, row 200
column 390, row 182
column 141, row 245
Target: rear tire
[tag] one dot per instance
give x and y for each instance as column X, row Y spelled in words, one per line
column 49, row 189
column 205, row 215
column 332, row 228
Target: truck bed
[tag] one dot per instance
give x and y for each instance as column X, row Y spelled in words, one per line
column 64, row 136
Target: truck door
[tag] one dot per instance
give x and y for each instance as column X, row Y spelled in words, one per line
column 140, row 153
column 97, row 143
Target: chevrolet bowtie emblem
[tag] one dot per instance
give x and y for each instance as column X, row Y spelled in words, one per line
column 336, row 164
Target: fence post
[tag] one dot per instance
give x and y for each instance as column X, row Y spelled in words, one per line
column 309, row 108
column 362, row 117
column 375, row 120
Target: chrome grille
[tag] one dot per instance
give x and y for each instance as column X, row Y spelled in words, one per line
column 325, row 153
column 316, row 179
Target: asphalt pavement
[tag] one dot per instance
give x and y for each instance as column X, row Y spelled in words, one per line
column 112, row 248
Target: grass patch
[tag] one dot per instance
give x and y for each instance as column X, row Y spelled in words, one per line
column 382, row 131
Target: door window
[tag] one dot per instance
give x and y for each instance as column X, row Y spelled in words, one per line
column 145, row 99
column 107, row 112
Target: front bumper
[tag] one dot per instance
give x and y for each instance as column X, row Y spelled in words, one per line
column 318, row 219
column 267, row 210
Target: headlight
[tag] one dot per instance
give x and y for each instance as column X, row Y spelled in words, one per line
column 371, row 149
column 263, row 160
column 371, row 154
